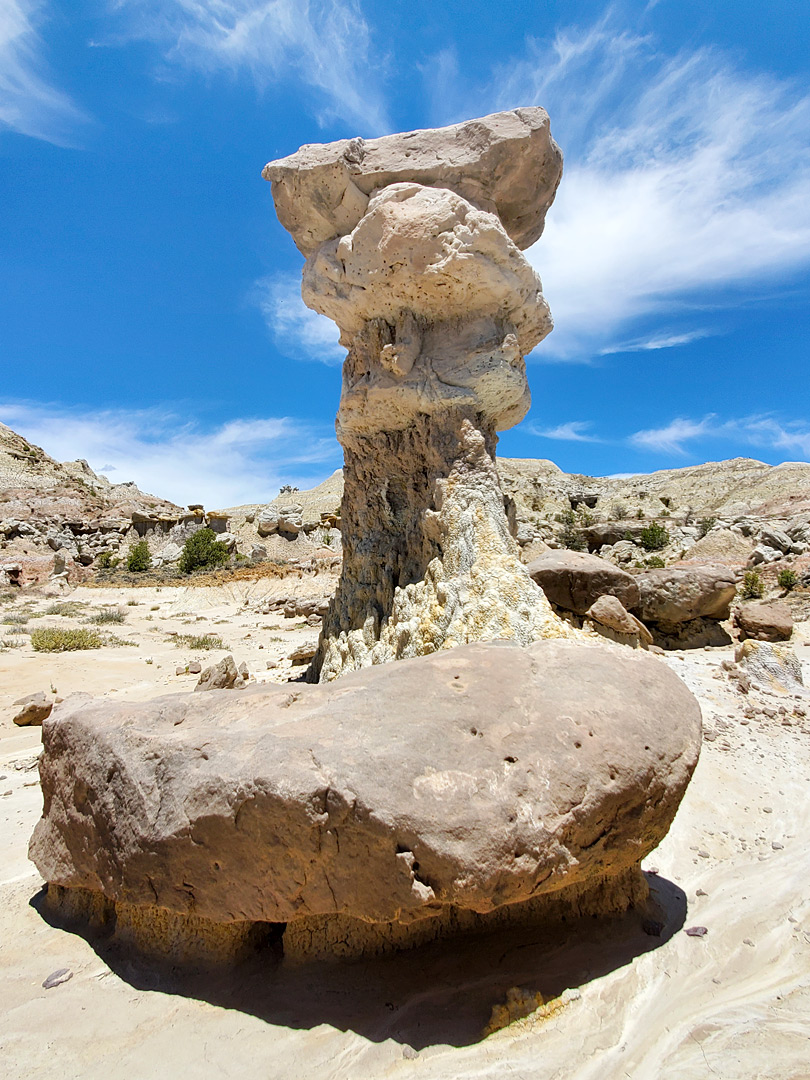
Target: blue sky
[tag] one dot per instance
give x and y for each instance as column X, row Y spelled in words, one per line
column 150, row 319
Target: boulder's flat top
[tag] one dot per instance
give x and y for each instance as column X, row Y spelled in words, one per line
column 506, row 162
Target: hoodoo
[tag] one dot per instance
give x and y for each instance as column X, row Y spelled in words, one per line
column 413, row 248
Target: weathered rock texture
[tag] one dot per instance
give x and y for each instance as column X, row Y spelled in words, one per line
column 574, row 581
column 412, row 245
column 444, row 787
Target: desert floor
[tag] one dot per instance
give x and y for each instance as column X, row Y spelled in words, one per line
column 734, row 1003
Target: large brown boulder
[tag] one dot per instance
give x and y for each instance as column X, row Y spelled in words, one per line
column 680, row 594
column 477, row 777
column 764, row 620
column 574, row 581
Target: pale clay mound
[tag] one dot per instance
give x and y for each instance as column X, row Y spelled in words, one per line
column 734, row 1003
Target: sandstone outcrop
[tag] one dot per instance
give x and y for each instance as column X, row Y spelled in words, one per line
column 520, row 773
column 574, row 581
column 678, row 595
column 764, row 621
column 413, row 249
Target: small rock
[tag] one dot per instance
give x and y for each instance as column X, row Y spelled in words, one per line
column 35, row 709
column 56, row 978
column 304, row 653
column 180, row 670
column 195, row 667
column 701, row 892
column 748, row 941
column 652, row 927
column 767, row 809
column 272, row 664
column 777, row 846
column 696, row 931
column 221, row 676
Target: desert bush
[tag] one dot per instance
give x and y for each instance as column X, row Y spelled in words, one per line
column 654, row 537
column 618, row 512
column 15, row 620
column 202, row 549
column 55, row 639
column 11, row 643
column 108, row 615
column 640, row 514
column 107, row 561
column 787, row 580
column 200, row 642
column 753, row 586
column 569, row 535
column 705, row 524
column 139, row 558
column 67, row 608
column 655, row 562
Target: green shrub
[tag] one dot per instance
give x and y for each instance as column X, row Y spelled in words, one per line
column 198, row 642
column 787, row 580
column 655, row 562
column 569, row 534
column 201, row 550
column 108, row 615
column 55, row 639
column 705, row 525
column 640, row 514
column 753, row 586
column 139, row 558
column 106, row 561
column 654, row 537
column 67, row 608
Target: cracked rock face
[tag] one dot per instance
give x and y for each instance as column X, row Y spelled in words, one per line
column 413, row 249
column 277, row 805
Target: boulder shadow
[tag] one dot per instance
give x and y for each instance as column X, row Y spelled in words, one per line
column 439, row 994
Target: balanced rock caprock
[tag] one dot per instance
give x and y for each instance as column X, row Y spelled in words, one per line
column 483, row 784
column 412, row 246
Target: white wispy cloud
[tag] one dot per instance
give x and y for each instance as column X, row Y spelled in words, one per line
column 29, row 101
column 670, row 439
column 764, row 431
column 661, row 341
column 297, row 331
column 685, row 177
column 325, row 43
column 573, row 431
column 240, row 461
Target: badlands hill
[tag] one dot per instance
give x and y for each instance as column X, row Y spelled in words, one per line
column 719, row 511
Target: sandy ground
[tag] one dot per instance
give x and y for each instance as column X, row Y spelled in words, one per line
column 734, row 1003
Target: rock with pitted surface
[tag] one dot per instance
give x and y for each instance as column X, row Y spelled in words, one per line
column 413, row 249
column 574, row 580
column 764, row 620
column 506, row 163
column 678, row 595
column 474, row 779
